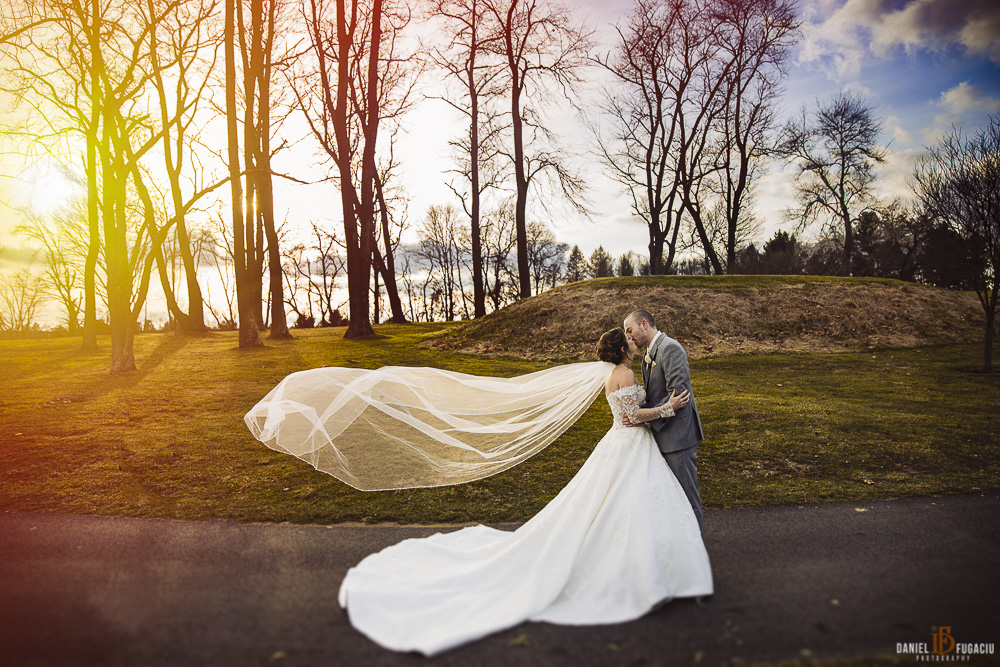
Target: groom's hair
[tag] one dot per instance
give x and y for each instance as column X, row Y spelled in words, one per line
column 639, row 315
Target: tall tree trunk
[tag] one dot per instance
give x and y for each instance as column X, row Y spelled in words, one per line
column 249, row 331
column 358, row 264
column 521, row 201
column 656, row 240
column 120, row 319
column 93, row 213
column 366, row 212
column 376, row 315
column 279, row 322
column 254, row 233
column 988, row 347
column 192, row 322
column 478, row 290
column 736, row 206
column 387, row 267
column 168, row 291
column 359, row 248
column 848, row 240
column 699, row 225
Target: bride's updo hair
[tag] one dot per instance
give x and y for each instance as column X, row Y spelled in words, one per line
column 612, row 345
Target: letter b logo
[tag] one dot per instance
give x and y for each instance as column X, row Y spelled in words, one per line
column 943, row 641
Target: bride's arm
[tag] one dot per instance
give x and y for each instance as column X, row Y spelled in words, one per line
column 636, row 415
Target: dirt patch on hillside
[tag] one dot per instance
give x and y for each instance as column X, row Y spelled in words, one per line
column 798, row 317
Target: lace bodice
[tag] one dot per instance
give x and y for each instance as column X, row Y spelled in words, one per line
column 626, row 401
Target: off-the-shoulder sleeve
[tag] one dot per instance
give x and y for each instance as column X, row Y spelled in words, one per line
column 630, row 405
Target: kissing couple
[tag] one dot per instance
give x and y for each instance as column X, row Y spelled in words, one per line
column 623, row 537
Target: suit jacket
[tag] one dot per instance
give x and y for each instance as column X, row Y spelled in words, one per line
column 670, row 371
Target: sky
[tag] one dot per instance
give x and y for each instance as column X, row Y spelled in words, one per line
column 926, row 66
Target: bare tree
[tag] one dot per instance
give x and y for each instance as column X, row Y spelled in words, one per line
column 266, row 49
column 688, row 113
column 835, row 152
column 89, row 72
column 657, row 68
column 440, row 248
column 546, row 257
column 62, row 242
column 54, row 52
column 756, row 37
column 355, row 82
column 500, row 273
column 958, row 183
column 545, row 52
column 22, row 293
column 322, row 268
column 699, row 105
column 470, row 60
column 183, row 40
column 391, row 211
column 298, row 289
column 247, row 280
column 219, row 248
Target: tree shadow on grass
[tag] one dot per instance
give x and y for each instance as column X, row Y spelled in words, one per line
column 163, row 351
column 49, row 360
column 168, row 346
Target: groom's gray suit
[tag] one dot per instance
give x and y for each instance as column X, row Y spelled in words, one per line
column 677, row 436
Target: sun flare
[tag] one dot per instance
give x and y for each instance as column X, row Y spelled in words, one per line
column 47, row 188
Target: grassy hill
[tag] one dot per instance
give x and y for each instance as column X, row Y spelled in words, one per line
column 725, row 315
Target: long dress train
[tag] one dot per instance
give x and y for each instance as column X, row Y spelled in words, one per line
column 618, row 540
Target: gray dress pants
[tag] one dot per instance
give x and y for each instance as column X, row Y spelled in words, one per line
column 684, row 465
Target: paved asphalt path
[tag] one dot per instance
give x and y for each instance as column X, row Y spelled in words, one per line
column 840, row 580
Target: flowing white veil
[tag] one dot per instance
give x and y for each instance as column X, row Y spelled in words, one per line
column 399, row 427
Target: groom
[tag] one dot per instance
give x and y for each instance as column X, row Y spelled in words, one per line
column 665, row 370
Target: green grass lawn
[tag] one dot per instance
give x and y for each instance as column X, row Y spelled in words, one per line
column 169, row 440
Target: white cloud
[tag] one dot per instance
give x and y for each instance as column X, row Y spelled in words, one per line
column 965, row 99
column 940, row 24
column 857, row 88
column 773, row 198
column 832, row 39
column 895, row 174
column 901, row 137
column 837, row 37
column 963, row 105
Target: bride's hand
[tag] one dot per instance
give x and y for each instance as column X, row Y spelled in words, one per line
column 678, row 401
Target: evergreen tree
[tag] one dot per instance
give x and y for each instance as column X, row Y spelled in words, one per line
column 601, row 264
column 625, row 265
column 576, row 267
column 782, row 255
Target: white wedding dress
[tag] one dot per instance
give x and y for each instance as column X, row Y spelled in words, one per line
column 618, row 540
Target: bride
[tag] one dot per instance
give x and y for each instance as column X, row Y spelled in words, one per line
column 617, row 541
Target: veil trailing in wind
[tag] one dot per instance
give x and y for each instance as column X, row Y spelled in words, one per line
column 399, row 427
